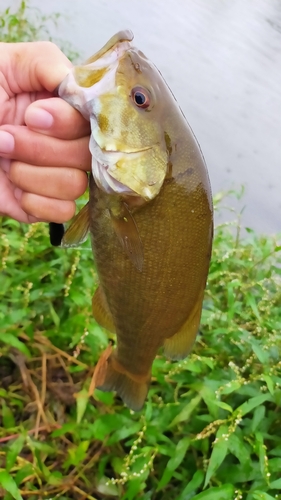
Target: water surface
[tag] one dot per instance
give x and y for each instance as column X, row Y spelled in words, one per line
column 222, row 59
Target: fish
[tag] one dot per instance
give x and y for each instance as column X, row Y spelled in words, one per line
column 150, row 214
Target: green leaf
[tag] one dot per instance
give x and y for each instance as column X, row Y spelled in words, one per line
column 275, row 451
column 13, row 341
column 133, row 490
column 165, row 479
column 106, row 489
column 219, row 452
column 261, row 451
column 269, row 382
column 82, row 399
column 239, row 449
column 252, row 403
column 41, row 446
column 7, row 416
column 238, row 473
column 275, row 485
column 261, row 354
column 224, row 406
column 106, row 424
column 13, row 451
column 275, row 465
column 250, row 300
column 7, row 482
column 55, row 478
column 196, row 481
column 69, row 427
column 55, row 317
column 185, row 413
column 225, row 492
column 207, row 394
column 230, row 387
column 123, row 433
column 24, row 472
column 261, row 495
column 174, row 462
column 179, row 455
column 259, row 414
column 76, row 454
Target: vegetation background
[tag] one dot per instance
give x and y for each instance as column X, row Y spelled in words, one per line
column 211, row 428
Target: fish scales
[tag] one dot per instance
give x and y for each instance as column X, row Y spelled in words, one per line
column 147, row 310
column 150, row 216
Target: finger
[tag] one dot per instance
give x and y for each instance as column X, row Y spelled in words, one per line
column 38, row 149
column 5, row 164
column 47, row 209
column 9, row 205
column 62, row 183
column 34, row 66
column 57, row 118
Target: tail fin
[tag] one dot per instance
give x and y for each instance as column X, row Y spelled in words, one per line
column 109, row 378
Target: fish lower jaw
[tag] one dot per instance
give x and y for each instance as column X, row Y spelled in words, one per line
column 104, row 169
column 107, row 182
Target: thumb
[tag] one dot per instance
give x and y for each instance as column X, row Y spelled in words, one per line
column 33, row 66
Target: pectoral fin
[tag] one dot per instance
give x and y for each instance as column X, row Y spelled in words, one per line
column 77, row 232
column 178, row 346
column 101, row 311
column 127, row 233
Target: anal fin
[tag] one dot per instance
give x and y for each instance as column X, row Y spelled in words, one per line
column 178, row 346
column 101, row 311
column 100, row 369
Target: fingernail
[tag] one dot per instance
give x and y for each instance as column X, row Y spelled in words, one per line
column 39, row 118
column 7, row 142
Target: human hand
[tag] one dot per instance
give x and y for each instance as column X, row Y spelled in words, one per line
column 44, row 150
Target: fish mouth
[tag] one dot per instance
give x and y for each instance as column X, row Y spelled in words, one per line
column 131, row 152
column 82, row 88
column 85, row 83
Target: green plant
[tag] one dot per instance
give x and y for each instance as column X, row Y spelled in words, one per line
column 211, row 426
column 26, row 24
column 210, row 429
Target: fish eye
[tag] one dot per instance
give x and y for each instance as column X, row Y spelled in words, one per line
column 141, row 97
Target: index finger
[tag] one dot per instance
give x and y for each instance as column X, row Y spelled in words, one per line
column 33, row 66
column 67, row 122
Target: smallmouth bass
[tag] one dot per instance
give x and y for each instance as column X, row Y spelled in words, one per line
column 150, row 214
